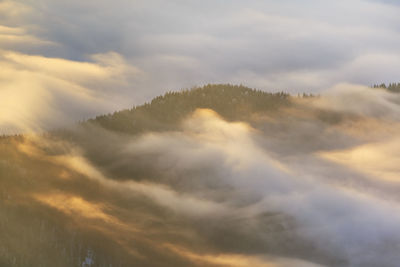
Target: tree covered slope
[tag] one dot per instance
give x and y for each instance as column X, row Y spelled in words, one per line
column 164, row 112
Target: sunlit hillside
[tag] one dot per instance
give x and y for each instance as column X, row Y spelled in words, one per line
column 199, row 133
column 57, row 211
column 214, row 176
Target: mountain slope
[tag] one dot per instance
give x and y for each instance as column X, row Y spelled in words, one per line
column 164, row 112
column 214, row 176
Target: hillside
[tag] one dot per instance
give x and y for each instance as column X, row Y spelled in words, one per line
column 30, row 169
column 187, row 180
column 232, row 102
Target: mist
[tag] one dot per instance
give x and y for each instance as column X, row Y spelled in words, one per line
column 314, row 184
column 77, row 60
column 199, row 133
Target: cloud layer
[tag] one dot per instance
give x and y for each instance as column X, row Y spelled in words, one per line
column 290, row 46
column 40, row 93
column 313, row 185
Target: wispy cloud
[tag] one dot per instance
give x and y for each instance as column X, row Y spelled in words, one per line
column 265, row 190
column 268, row 45
column 40, row 92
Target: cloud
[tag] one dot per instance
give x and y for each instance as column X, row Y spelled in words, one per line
column 271, row 46
column 318, row 182
column 361, row 100
column 326, row 208
column 74, row 206
column 16, row 37
column 41, row 93
column 13, row 10
column 266, row 39
column 379, row 160
column 343, row 222
column 309, row 185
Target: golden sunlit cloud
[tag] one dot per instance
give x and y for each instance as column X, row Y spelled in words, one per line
column 359, row 100
column 379, row 160
column 17, row 37
column 34, row 87
column 14, row 9
column 74, row 206
column 72, row 159
column 103, row 162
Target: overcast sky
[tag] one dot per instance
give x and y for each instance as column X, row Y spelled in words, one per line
column 68, row 60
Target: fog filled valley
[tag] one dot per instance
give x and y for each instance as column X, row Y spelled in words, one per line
column 208, row 133
column 219, row 175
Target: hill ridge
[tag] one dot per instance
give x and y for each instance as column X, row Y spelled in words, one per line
column 232, row 102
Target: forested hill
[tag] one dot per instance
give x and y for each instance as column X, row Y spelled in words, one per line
column 391, row 87
column 231, row 101
column 52, row 238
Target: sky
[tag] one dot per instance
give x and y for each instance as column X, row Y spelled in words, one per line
column 64, row 61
